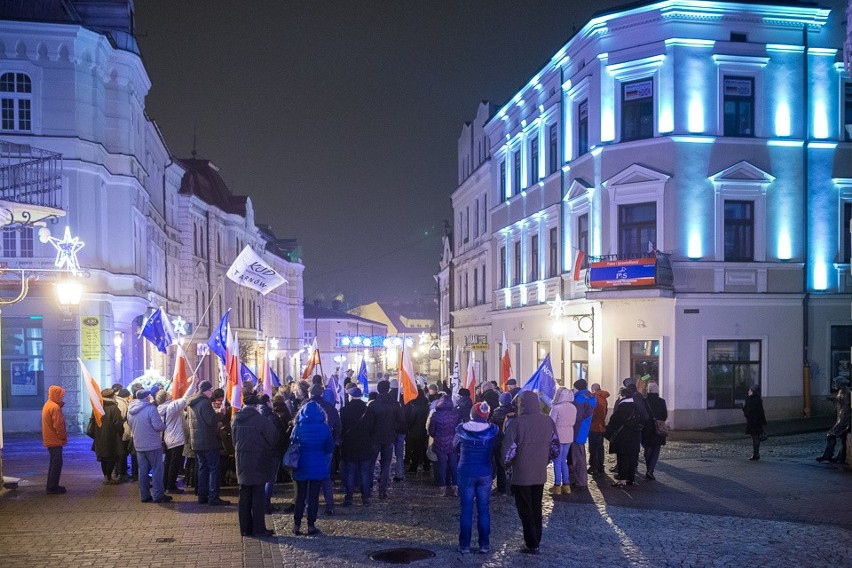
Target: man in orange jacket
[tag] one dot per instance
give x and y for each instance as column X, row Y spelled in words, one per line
column 54, row 436
column 596, row 432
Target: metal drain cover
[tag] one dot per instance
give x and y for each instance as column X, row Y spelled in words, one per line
column 401, row 555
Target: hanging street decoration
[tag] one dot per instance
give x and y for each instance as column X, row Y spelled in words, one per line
column 558, row 307
column 66, row 251
column 179, row 325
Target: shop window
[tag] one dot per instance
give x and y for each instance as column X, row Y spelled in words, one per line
column 23, row 362
column 732, row 367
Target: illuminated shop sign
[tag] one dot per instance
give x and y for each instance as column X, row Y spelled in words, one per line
column 617, row 273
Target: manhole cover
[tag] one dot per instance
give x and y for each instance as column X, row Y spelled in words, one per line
column 165, row 539
column 401, row 555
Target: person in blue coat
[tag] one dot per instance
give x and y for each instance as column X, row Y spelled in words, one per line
column 475, row 442
column 316, row 445
column 585, row 402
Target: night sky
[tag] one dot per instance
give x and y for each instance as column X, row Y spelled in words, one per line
column 340, row 119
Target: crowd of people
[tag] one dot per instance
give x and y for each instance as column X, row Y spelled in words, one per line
column 474, row 445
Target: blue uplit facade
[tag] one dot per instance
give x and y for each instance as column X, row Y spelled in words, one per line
column 715, row 133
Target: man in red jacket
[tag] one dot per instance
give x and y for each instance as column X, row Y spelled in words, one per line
column 596, row 431
column 54, row 436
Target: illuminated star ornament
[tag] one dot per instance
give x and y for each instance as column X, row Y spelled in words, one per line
column 558, row 307
column 179, row 325
column 66, row 251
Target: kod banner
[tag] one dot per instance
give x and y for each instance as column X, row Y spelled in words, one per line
column 251, row 271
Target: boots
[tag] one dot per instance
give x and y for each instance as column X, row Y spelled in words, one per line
column 754, row 457
column 442, row 492
column 557, row 489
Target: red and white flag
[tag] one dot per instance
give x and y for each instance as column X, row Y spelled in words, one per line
column 94, row 392
column 407, row 385
column 314, row 362
column 180, row 377
column 578, row 264
column 505, row 365
column 470, row 378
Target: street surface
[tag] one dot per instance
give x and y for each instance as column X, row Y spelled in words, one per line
column 710, row 506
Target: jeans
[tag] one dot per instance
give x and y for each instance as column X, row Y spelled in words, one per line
column 528, row 503
column 480, row 488
column 174, row 461
column 208, row 475
column 560, row 466
column 54, row 469
column 151, row 460
column 356, row 473
column 579, row 476
column 307, row 493
column 251, row 510
column 596, row 452
column 445, row 469
column 399, row 453
column 385, row 452
column 652, row 454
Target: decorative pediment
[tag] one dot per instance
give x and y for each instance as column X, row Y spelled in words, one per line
column 742, row 173
column 578, row 189
column 447, row 252
column 636, row 175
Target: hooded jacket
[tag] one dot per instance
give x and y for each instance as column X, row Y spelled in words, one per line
column 147, row 426
column 123, row 404
column 53, row 431
column 256, row 446
column 564, row 415
column 172, row 414
column 442, row 425
column 463, row 407
column 203, row 425
column 527, row 442
column 331, row 414
column 389, row 418
column 475, row 442
column 106, row 441
column 599, row 413
column 316, row 444
column 582, row 433
column 358, row 431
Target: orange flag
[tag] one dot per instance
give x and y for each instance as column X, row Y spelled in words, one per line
column 314, row 362
column 94, row 393
column 505, row 365
column 406, row 376
column 180, row 377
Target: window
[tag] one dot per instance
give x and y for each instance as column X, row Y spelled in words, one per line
column 542, row 350
column 841, row 342
column 466, row 224
column 533, row 160
column 583, row 128
column 637, row 110
column 502, row 267
column 579, row 361
column 847, row 110
column 503, row 181
column 739, row 231
column 534, row 254
column 553, row 259
column 516, row 173
column 847, row 237
column 18, row 243
column 16, row 102
column 483, row 283
column 739, row 106
column 732, row 367
column 637, row 229
column 516, row 275
column 475, row 286
column 476, row 219
column 23, row 362
column 583, row 232
column 466, row 291
column 338, row 338
column 554, row 148
column 485, row 213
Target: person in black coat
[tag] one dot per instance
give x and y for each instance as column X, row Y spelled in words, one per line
column 651, row 441
column 106, row 438
column 416, row 439
column 256, row 447
column 624, row 431
column 464, row 405
column 356, row 447
column 755, row 419
column 389, row 419
column 276, row 412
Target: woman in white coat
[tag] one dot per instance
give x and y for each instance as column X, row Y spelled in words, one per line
column 564, row 415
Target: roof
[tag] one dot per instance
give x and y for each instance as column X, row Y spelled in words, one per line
column 316, row 312
column 202, row 179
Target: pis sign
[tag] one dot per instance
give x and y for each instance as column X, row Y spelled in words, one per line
column 623, row 273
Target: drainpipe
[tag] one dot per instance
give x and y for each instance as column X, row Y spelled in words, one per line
column 564, row 121
column 806, row 366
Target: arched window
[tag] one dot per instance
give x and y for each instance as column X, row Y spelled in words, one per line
column 16, row 99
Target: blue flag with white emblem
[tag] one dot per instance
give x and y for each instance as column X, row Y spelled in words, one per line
column 362, row 378
column 247, row 375
column 276, row 382
column 218, row 342
column 543, row 382
column 158, row 330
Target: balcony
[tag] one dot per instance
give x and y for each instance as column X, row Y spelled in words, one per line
column 30, row 185
column 630, row 273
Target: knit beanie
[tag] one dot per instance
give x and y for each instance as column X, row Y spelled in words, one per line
column 480, row 412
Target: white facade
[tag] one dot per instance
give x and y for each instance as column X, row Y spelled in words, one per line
column 143, row 235
column 683, row 128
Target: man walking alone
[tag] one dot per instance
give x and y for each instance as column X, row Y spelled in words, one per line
column 54, row 436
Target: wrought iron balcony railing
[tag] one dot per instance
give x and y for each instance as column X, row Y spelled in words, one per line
column 30, row 175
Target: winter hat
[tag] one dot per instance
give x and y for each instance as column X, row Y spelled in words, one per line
column 511, row 383
column 107, row 393
column 394, row 384
column 383, row 387
column 580, row 384
column 464, row 393
column 205, row 386
column 355, row 392
column 142, row 394
column 629, row 382
column 124, row 393
column 505, row 399
column 487, row 387
column 653, row 388
column 480, row 412
column 251, row 399
column 316, row 380
column 317, row 390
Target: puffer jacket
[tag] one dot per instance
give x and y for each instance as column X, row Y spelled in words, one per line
column 529, row 442
column 255, row 442
column 599, row 412
column 475, row 443
column 580, row 397
column 123, row 404
column 203, row 425
column 172, row 414
column 442, row 425
column 147, row 426
column 53, row 430
column 564, row 415
column 315, row 442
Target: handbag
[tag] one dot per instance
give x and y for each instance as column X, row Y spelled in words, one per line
column 661, row 429
column 291, row 456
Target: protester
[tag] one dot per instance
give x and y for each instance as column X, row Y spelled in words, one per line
column 255, row 443
column 148, row 427
column 316, row 444
column 512, row 387
column 356, row 447
column 204, row 441
column 490, row 394
column 475, row 442
column 651, row 440
column 529, row 443
column 399, row 442
column 441, row 427
column 596, row 431
column 416, row 439
column 463, row 405
column 564, row 416
column 499, row 417
column 122, row 400
column 755, row 419
column 54, row 436
column 625, row 431
column 317, row 391
column 389, row 419
column 224, row 413
column 107, row 443
column 280, row 418
column 171, row 411
column 585, row 403
column 840, row 428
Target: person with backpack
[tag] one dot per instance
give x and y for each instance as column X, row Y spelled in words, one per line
column 625, row 430
column 653, row 437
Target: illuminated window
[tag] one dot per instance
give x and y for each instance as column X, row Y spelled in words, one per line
column 16, row 93
column 844, row 229
column 637, row 229
column 583, row 128
column 739, row 106
column 732, row 367
column 503, row 181
column 516, row 276
column 23, row 362
column 553, row 259
column 475, row 286
column 847, row 110
column 516, row 173
column 502, row 267
column 637, row 110
column 554, row 148
column 542, row 350
column 739, row 231
column 534, row 255
column 533, row 160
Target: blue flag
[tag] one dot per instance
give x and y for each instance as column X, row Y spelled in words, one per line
column 218, row 342
column 247, row 375
column 362, row 377
column 276, row 382
column 543, row 382
column 158, row 330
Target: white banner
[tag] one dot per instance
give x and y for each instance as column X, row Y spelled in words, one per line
column 251, row 271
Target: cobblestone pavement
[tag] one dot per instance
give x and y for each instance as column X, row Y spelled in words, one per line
column 710, row 506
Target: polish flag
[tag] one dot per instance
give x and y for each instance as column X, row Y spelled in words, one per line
column 406, row 376
column 233, row 371
column 505, row 365
column 94, row 393
column 578, row 264
column 470, row 379
column 314, row 362
column 180, row 377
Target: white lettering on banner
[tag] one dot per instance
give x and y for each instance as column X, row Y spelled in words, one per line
column 249, row 270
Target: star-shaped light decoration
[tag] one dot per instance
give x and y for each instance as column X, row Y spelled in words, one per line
column 179, row 325
column 558, row 307
column 66, row 251
column 273, row 343
column 424, row 337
